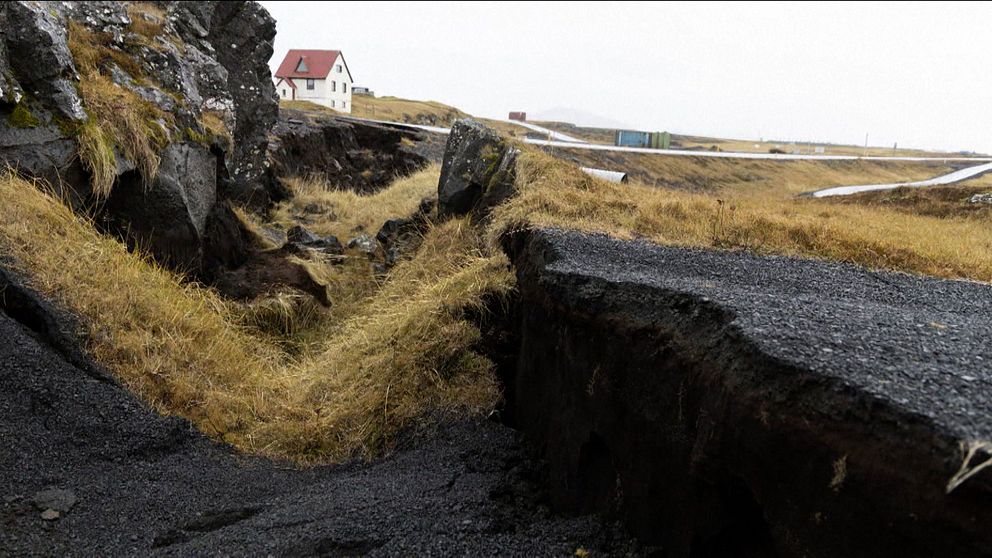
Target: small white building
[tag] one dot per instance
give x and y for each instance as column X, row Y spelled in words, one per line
column 318, row 76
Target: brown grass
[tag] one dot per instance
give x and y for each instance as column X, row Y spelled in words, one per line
column 344, row 213
column 147, row 20
column 553, row 193
column 404, row 351
column 752, row 176
column 395, row 109
column 944, row 201
column 119, row 119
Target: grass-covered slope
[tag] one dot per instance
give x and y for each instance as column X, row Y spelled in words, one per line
column 402, row 349
column 768, row 219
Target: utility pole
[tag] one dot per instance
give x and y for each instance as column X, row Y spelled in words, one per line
column 866, row 144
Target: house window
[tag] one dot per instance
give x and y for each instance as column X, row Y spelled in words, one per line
column 334, row 86
column 344, row 86
column 311, row 84
column 337, row 68
column 283, row 93
column 332, row 104
column 302, row 67
column 344, row 104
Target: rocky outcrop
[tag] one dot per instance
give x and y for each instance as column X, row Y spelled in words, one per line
column 725, row 404
column 349, row 154
column 198, row 74
column 242, row 35
column 478, row 171
column 169, row 217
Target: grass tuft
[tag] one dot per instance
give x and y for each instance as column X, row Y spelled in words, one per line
column 120, row 120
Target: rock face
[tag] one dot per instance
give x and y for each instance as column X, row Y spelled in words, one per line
column 170, row 216
column 242, row 35
column 350, row 154
column 189, row 61
column 725, row 404
column 478, row 171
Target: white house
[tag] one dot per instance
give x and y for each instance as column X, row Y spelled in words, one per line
column 318, row 76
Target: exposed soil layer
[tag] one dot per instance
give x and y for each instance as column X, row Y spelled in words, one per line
column 131, row 482
column 725, row 404
column 350, row 154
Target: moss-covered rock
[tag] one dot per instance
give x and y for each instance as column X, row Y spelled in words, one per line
column 21, row 117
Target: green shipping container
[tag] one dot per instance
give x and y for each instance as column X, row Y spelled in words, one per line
column 661, row 140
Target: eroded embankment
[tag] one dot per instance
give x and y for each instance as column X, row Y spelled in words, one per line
column 726, row 404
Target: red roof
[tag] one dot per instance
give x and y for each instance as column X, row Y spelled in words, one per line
column 318, row 63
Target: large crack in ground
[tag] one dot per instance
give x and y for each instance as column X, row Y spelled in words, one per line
column 732, row 405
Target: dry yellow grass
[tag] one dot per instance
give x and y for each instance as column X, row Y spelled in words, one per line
column 170, row 344
column 147, row 20
column 943, row 201
column 405, row 352
column 118, row 118
column 752, row 176
column 345, row 213
column 395, row 109
column 553, row 193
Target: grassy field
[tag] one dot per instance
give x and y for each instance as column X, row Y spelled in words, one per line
column 605, row 136
column 945, row 201
column 753, row 176
column 395, row 109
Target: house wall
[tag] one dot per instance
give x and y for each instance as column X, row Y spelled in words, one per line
column 321, row 93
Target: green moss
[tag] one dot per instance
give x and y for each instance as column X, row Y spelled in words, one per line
column 202, row 139
column 69, row 128
column 21, row 117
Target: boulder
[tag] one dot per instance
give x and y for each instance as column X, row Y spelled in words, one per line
column 268, row 272
column 363, row 243
column 299, row 239
column 242, row 34
column 478, row 171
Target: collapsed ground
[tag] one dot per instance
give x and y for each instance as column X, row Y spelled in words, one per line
column 359, row 309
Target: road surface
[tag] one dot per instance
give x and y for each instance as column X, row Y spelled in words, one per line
column 556, row 136
column 956, row 176
column 687, row 153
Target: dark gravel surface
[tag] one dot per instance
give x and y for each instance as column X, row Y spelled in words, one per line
column 147, row 485
column 918, row 344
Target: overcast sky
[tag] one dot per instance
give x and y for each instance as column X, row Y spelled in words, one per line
column 919, row 75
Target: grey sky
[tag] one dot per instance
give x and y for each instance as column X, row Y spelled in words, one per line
column 917, row 74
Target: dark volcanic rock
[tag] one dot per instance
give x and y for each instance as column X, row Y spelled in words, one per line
column 268, row 272
column 208, row 56
column 39, row 60
column 350, row 154
column 150, row 485
column 169, row 217
column 478, row 171
column 242, row 35
column 726, row 404
column 303, row 238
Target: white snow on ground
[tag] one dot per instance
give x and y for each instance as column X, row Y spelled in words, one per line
column 955, row 176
